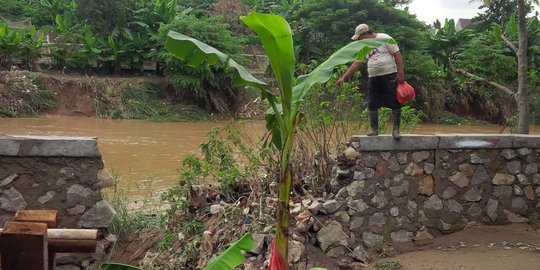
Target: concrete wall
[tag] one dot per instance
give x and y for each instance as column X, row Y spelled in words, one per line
column 424, row 186
column 61, row 173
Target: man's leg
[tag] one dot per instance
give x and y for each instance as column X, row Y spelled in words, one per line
column 373, row 106
column 396, row 121
column 374, row 123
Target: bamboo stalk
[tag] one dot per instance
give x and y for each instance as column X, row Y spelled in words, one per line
column 71, row 234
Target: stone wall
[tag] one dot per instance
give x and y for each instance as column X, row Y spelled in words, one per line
column 61, row 173
column 423, row 186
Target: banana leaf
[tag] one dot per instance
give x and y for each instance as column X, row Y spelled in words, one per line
column 232, row 257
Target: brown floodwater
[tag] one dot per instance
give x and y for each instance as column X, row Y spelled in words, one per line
column 146, row 155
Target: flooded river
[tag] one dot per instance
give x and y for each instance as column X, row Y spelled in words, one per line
column 147, row 155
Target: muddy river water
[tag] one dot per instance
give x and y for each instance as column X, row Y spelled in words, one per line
column 147, row 155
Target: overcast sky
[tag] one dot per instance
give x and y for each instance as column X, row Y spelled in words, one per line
column 430, row 10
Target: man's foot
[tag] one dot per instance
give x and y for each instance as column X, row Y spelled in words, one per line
column 395, row 134
column 373, row 133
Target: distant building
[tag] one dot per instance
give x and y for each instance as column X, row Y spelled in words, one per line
column 462, row 23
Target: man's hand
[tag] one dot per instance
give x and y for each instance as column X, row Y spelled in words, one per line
column 339, row 82
column 400, row 77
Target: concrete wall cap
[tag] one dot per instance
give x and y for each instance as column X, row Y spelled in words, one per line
column 48, row 146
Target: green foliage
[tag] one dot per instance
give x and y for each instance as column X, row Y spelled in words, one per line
column 147, row 101
column 208, row 86
column 446, row 43
column 232, row 257
column 497, row 12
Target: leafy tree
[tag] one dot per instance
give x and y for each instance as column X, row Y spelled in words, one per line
column 446, row 43
column 521, row 95
column 322, row 26
column 497, row 11
column 198, row 8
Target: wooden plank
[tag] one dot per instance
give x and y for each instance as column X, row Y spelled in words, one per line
column 74, row 234
column 50, row 217
column 72, row 246
column 23, row 245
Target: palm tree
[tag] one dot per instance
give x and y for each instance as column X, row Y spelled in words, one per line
column 521, row 96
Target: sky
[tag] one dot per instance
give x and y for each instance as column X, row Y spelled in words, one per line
column 430, row 10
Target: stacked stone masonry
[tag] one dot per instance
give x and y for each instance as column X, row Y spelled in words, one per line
column 61, row 173
column 386, row 191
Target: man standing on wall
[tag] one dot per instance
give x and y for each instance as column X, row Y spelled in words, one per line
column 385, row 70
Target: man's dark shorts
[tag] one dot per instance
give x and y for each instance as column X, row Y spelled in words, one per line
column 382, row 92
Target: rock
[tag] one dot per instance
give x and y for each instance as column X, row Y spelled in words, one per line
column 536, row 179
column 67, row 173
column 460, row 179
column 77, row 210
column 401, row 236
column 370, row 161
column 428, row 168
column 515, row 218
column 529, row 193
column 454, row 206
column 355, row 187
column 524, row 151
column 342, row 216
column 537, row 191
column 531, row 169
column 372, row 240
column 105, row 179
column 479, row 176
column 358, row 205
column 434, row 203
column 350, row 153
column 518, row 191
column 475, row 159
column 398, row 177
column 502, row 192
column 360, row 253
column 47, row 197
column 402, row 158
column 418, row 157
column 332, row 234
column 423, row 234
column 519, row 205
column 522, row 179
column 377, row 219
column 296, row 249
column 357, row 223
column 475, row 211
column 6, row 181
column 466, row 168
column 12, row 200
column 385, row 155
column 448, row 193
column 331, row 206
column 394, row 165
column 258, row 243
column 370, row 189
column 365, row 174
column 474, row 194
column 315, row 207
column 68, row 267
column 491, row 209
column 411, row 207
column 414, row 170
column 99, row 216
column 400, row 190
column 394, row 211
column 382, row 168
column 503, row 179
column 336, row 252
column 514, row 167
column 379, row 200
column 76, row 193
column 111, row 238
column 425, row 186
column 446, row 165
column 508, row 154
column 446, row 226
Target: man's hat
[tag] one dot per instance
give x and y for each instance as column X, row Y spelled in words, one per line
column 360, row 29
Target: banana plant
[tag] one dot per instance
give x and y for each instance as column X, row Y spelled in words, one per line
column 284, row 113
